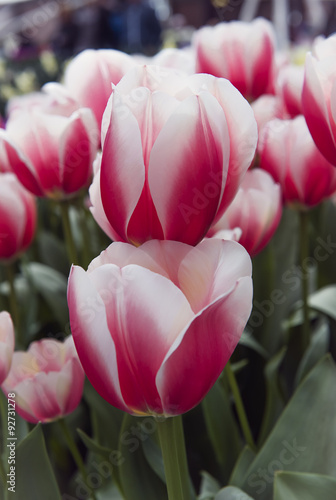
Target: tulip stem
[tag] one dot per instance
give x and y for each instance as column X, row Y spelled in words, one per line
column 69, row 240
column 174, row 457
column 75, row 453
column 86, row 237
column 304, row 255
column 244, row 424
column 13, row 303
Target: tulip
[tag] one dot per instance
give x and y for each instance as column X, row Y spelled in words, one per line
column 256, row 210
column 289, row 88
column 7, row 340
column 47, row 380
column 90, row 75
column 17, row 217
column 155, row 325
column 241, row 52
column 180, row 59
column 289, row 154
column 174, row 151
column 50, row 153
column 319, row 96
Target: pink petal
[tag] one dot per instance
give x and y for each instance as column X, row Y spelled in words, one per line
column 199, row 355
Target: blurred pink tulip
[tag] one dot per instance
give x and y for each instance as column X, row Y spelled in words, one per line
column 174, row 151
column 256, row 210
column 319, row 96
column 289, row 88
column 90, row 75
column 17, row 217
column 47, row 380
column 180, row 59
column 51, row 153
column 7, row 341
column 241, row 52
column 288, row 153
column 266, row 108
column 154, row 326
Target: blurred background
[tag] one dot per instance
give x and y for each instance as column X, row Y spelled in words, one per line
column 38, row 37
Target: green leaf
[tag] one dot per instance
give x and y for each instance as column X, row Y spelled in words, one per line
column 324, row 301
column 243, row 463
column 52, row 252
column 137, row 478
column 93, row 445
column 209, row 487
column 52, row 286
column 304, row 437
column 34, row 475
column 248, row 340
column 298, row 486
column 222, row 428
column 232, row 493
column 317, row 348
column 153, row 456
column 274, row 396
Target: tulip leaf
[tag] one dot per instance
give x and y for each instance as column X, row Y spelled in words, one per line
column 222, row 428
column 324, row 301
column 52, row 252
column 153, row 456
column 93, row 445
column 209, row 487
column 138, row 480
column 317, row 348
column 35, row 478
column 243, row 463
column 304, row 437
column 299, row 486
column 248, row 340
column 232, row 493
column 274, row 399
column 52, row 287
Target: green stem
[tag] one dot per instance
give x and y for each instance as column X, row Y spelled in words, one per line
column 69, row 241
column 75, row 453
column 174, row 458
column 13, row 302
column 86, row 237
column 245, row 426
column 304, row 254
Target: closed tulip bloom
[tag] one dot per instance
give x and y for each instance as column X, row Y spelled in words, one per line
column 256, row 210
column 289, row 88
column 155, row 325
column 17, row 217
column 47, row 380
column 174, row 151
column 50, row 153
column 319, row 96
column 289, row 154
column 7, row 340
column 241, row 52
column 90, row 75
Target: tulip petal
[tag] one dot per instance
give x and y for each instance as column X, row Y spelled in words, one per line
column 186, row 181
column 145, row 314
column 94, row 344
column 198, row 356
column 122, row 168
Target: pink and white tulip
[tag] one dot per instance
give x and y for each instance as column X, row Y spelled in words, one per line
column 51, row 153
column 319, row 96
column 241, row 52
column 90, row 75
column 288, row 152
column 155, row 325
column 256, row 210
column 17, row 217
column 289, row 88
column 7, row 341
column 174, row 152
column 47, row 380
